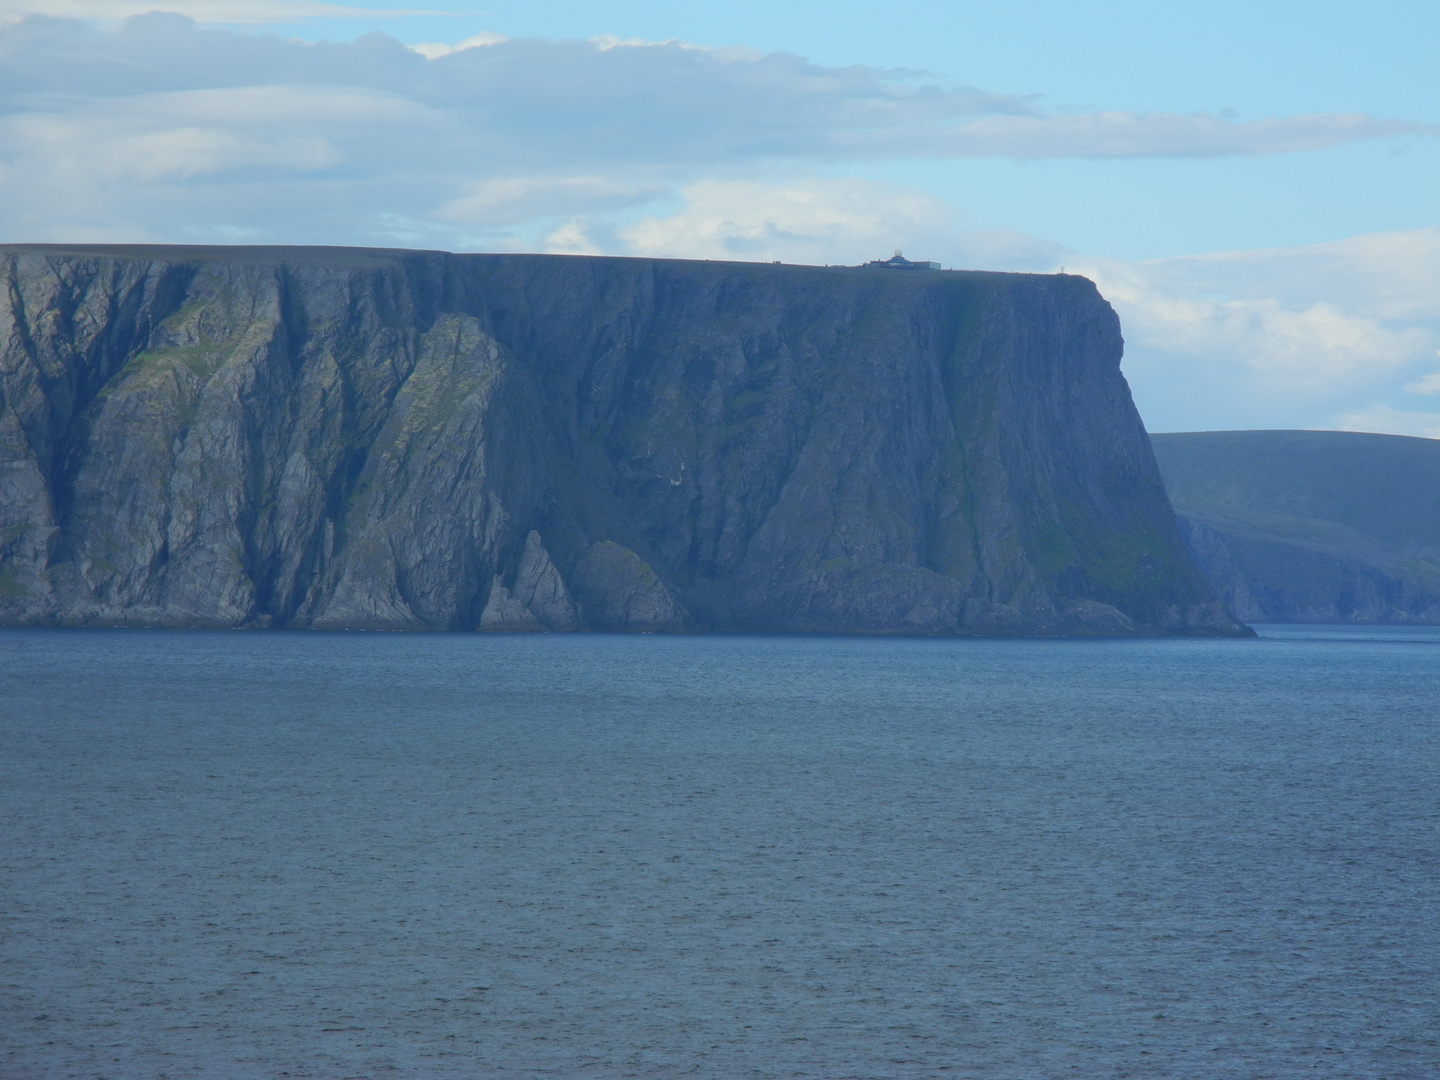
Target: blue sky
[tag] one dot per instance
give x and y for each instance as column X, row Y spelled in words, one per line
column 1256, row 187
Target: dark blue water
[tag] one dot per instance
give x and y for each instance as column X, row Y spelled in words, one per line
column 264, row 855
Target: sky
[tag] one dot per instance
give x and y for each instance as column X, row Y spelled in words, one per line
column 1254, row 186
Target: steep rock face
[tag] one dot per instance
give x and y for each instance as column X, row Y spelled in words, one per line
column 539, row 601
column 1311, row 526
column 347, row 438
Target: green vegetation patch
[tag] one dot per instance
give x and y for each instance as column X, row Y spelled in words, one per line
column 453, row 366
column 1119, row 564
column 1055, row 552
column 104, row 565
column 1123, row 565
column 10, row 586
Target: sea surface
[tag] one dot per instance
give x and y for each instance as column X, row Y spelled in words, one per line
column 256, row 855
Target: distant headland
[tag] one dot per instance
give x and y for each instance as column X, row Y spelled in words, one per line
column 1311, row 526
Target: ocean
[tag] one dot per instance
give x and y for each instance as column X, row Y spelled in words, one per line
column 272, row 854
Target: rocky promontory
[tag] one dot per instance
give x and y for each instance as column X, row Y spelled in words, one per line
column 352, row 438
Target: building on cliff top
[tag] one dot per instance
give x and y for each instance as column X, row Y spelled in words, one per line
column 899, row 262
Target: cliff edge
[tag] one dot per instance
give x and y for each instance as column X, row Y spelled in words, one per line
column 391, row 439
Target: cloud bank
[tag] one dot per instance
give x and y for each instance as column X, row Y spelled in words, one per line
column 1335, row 335
column 232, row 12
column 164, row 129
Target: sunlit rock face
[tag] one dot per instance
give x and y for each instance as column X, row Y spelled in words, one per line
column 387, row 439
column 1311, row 526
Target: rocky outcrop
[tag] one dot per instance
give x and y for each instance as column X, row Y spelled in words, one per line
column 1311, row 526
column 619, row 591
column 351, row 438
column 539, row 599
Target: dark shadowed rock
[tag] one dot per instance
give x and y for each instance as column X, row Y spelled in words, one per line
column 352, row 438
column 1311, row 526
column 619, row 591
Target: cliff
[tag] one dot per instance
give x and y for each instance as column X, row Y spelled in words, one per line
column 390, row 439
column 1311, row 526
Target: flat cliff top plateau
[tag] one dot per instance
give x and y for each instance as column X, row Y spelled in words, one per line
column 333, row 437
column 352, row 257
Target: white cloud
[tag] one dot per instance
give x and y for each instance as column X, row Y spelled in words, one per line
column 812, row 219
column 183, row 153
column 1387, row 421
column 1286, row 337
column 301, row 105
column 808, row 220
column 229, row 12
column 497, row 135
column 277, row 163
column 1145, row 135
column 1425, row 385
column 1390, row 275
column 1304, row 317
column 510, row 200
column 105, row 144
column 571, row 239
column 665, row 102
column 172, row 129
column 434, row 50
column 1303, row 348
column 606, row 42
